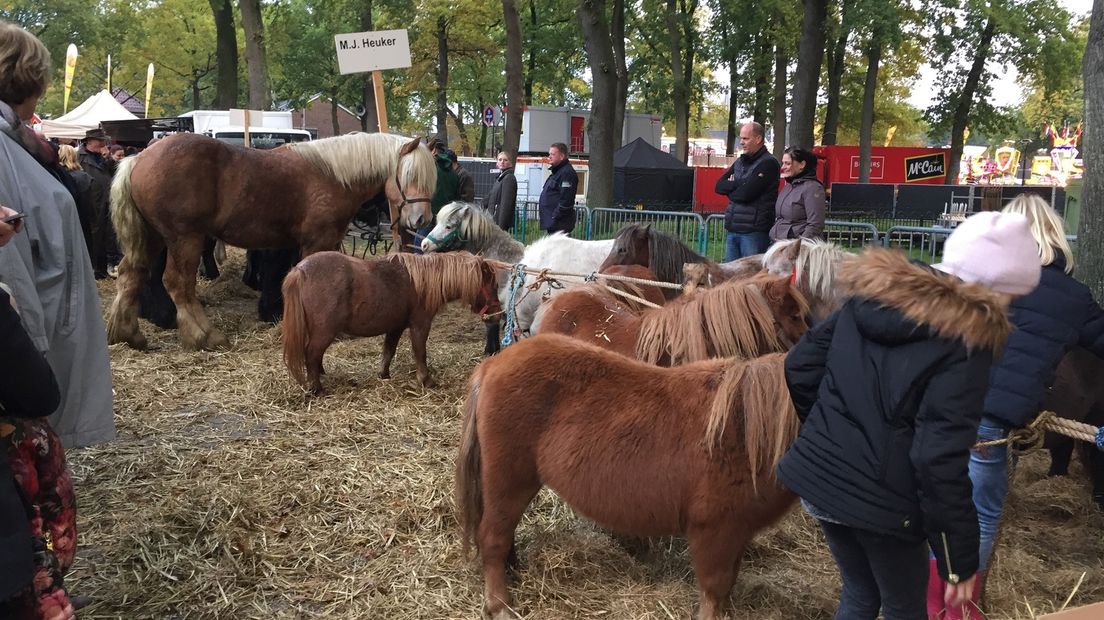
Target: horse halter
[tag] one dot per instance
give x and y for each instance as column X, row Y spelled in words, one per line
column 398, row 184
column 447, row 242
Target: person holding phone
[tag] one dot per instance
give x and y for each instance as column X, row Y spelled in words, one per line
column 11, row 223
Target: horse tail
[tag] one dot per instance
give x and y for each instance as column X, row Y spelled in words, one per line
column 296, row 331
column 469, row 474
column 131, row 228
column 756, row 388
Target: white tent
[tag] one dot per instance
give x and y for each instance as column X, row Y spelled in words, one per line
column 88, row 115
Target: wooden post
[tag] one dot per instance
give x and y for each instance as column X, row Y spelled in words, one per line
column 245, row 122
column 381, row 104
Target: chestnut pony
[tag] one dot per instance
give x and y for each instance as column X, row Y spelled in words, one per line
column 188, row 187
column 639, row 449
column 743, row 318
column 667, row 256
column 330, row 293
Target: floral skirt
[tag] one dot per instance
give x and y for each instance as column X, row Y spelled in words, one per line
column 38, row 462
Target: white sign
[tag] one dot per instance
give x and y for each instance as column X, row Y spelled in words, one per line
column 358, row 52
column 237, row 118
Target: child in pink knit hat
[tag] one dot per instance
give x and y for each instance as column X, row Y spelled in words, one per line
column 889, row 390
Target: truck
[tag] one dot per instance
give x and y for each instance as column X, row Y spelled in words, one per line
column 273, row 129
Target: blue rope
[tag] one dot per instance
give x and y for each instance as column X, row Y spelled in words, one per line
column 516, row 281
column 1099, row 438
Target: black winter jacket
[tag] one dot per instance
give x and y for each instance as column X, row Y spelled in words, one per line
column 27, row 390
column 1048, row 322
column 557, row 199
column 752, row 192
column 501, row 201
column 889, row 390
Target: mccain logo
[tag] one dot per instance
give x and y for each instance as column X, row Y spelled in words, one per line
column 924, row 167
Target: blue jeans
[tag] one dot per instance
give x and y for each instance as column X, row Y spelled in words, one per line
column 989, row 477
column 418, row 239
column 878, row 572
column 739, row 245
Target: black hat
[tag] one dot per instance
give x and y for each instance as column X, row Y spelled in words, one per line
column 96, row 134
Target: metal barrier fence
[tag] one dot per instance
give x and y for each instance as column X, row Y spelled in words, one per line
column 707, row 235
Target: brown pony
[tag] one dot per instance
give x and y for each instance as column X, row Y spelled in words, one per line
column 669, row 258
column 188, row 187
column 743, row 318
column 330, row 293
column 639, row 449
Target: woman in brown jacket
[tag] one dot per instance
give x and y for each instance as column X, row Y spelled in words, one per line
column 799, row 211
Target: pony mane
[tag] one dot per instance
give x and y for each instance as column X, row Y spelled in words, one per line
column 816, row 265
column 369, row 159
column 668, row 254
column 730, row 320
column 478, row 225
column 441, row 278
column 753, row 394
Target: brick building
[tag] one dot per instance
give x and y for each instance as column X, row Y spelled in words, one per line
column 316, row 117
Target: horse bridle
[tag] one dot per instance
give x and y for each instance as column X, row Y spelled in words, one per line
column 398, row 184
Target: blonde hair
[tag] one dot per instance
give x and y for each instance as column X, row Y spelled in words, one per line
column 67, row 155
column 24, row 65
column 1046, row 227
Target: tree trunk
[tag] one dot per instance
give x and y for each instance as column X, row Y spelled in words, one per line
column 778, row 115
column 442, row 78
column 733, row 106
column 680, row 96
column 866, row 125
column 835, row 75
column 531, row 73
column 369, row 121
column 196, row 103
column 333, row 111
column 810, row 55
column 461, row 128
column 599, row 48
column 226, row 54
column 763, row 64
column 514, row 79
column 255, row 59
column 966, row 100
column 618, row 35
column 1090, row 233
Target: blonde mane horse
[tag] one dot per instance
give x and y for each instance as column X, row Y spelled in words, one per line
column 188, row 186
column 738, row 318
column 813, row 270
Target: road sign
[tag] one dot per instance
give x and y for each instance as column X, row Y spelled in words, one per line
column 358, row 52
column 489, row 115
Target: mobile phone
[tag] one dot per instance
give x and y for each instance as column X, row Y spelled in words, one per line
column 13, row 219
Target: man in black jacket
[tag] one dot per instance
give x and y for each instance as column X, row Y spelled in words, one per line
column 557, row 199
column 751, row 184
column 95, row 160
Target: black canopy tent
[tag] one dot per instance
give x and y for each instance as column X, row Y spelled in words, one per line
column 643, row 174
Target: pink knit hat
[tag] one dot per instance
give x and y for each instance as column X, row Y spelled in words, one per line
column 995, row 250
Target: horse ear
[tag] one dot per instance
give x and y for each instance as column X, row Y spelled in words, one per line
column 409, row 147
column 794, row 251
column 777, row 289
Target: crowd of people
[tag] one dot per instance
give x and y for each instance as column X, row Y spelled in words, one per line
column 893, row 390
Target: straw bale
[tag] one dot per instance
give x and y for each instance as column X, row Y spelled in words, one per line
column 231, row 494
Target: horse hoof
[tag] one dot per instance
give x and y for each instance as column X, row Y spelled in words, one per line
column 502, row 614
column 428, row 382
column 385, row 375
column 216, row 340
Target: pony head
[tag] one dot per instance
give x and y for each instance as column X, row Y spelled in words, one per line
column 457, row 223
column 411, row 187
column 812, row 265
column 630, row 247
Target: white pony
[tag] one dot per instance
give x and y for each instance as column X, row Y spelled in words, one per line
column 465, row 226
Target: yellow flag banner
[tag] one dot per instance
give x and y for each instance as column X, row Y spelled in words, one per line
column 109, row 73
column 149, row 86
column 889, row 134
column 70, row 67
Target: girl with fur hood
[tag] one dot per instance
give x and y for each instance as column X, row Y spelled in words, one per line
column 889, row 390
column 1057, row 316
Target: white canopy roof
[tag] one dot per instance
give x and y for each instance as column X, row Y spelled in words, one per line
column 88, row 115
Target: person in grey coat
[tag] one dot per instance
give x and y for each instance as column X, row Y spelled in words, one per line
column 47, row 266
column 502, row 199
column 799, row 212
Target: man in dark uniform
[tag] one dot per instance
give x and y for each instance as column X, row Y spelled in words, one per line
column 557, row 199
column 95, row 161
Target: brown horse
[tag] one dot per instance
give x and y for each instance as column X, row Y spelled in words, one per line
column 330, row 293
column 1078, row 394
column 639, row 449
column 188, row 187
column 669, row 257
column 743, row 318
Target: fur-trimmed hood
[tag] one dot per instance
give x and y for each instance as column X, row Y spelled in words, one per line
column 951, row 308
